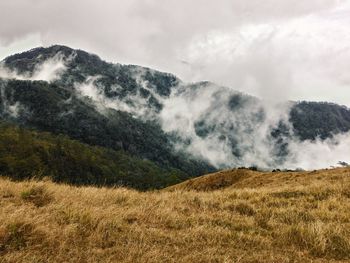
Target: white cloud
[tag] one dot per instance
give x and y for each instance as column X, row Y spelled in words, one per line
column 245, row 128
column 301, row 58
column 22, row 44
column 320, row 154
column 297, row 49
column 134, row 104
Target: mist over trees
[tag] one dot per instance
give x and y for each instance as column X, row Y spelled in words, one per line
column 182, row 129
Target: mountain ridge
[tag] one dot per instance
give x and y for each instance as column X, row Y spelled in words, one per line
column 194, row 127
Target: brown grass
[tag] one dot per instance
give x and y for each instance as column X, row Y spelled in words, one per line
column 250, row 217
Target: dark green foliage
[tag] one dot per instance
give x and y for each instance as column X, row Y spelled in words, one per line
column 315, row 119
column 161, row 82
column 26, row 154
column 29, row 60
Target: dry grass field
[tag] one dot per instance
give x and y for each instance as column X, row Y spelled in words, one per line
column 231, row 216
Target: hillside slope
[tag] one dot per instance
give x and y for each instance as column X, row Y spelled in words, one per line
column 246, row 178
column 282, row 217
column 27, row 153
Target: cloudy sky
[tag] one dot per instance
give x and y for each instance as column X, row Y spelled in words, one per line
column 284, row 49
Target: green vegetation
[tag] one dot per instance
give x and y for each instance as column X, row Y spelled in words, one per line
column 27, row 154
column 319, row 119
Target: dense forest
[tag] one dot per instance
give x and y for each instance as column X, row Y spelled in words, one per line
column 27, row 154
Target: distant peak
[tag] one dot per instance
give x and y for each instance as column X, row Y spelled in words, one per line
column 47, row 52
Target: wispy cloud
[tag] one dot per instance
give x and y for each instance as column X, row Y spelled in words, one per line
column 49, row 70
column 226, row 127
column 230, row 129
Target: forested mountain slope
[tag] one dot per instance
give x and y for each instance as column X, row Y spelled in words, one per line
column 193, row 127
column 26, row 154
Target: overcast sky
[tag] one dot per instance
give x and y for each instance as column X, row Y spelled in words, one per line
column 274, row 48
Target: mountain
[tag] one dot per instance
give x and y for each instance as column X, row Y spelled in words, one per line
column 195, row 128
column 56, row 106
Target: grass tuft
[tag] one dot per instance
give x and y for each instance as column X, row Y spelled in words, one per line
column 36, row 195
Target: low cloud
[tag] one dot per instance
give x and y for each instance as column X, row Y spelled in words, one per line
column 230, row 129
column 319, row 154
column 225, row 127
column 52, row 68
column 49, row 70
column 134, row 104
column 212, row 122
column 9, row 107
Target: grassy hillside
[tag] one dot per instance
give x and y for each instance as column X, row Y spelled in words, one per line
column 251, row 217
column 243, row 178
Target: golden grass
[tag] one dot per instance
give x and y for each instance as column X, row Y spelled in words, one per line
column 252, row 217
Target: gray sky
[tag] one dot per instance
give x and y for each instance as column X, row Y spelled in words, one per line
column 285, row 49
